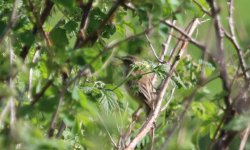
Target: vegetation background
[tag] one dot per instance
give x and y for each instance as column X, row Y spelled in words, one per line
column 61, row 86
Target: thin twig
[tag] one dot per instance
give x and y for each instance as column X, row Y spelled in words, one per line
column 44, row 15
column 165, row 47
column 56, row 113
column 187, row 103
column 149, row 124
column 12, row 20
column 153, row 50
column 202, row 8
column 166, row 44
column 244, row 139
column 99, row 29
column 233, row 38
column 38, row 23
column 84, row 23
column 225, row 136
column 60, row 130
column 37, row 97
column 168, row 101
column 35, row 57
column 189, row 38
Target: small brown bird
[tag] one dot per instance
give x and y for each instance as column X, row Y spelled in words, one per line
column 140, row 84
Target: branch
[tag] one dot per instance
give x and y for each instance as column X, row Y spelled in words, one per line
column 186, row 102
column 166, row 44
column 38, row 23
column 189, row 38
column 35, row 57
column 44, row 15
column 149, row 124
column 244, row 139
column 12, row 20
column 60, row 130
column 165, row 47
column 153, row 50
column 56, row 113
column 202, row 8
column 37, row 97
column 233, row 38
column 225, row 136
column 169, row 100
column 97, row 31
column 84, row 23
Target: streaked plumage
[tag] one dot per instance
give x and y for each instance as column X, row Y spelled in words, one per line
column 145, row 93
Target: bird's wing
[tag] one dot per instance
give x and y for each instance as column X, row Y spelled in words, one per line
column 147, row 90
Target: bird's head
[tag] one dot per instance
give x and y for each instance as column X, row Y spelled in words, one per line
column 128, row 60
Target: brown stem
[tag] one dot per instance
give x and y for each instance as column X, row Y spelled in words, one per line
column 44, row 15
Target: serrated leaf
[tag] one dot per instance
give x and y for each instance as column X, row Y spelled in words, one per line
column 108, row 100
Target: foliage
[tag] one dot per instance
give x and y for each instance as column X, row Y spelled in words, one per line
column 61, row 86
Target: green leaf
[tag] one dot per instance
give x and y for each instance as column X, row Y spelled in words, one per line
column 87, row 104
column 27, row 37
column 75, row 93
column 59, row 38
column 47, row 104
column 71, row 26
column 108, row 100
column 95, row 19
column 65, row 3
column 108, row 31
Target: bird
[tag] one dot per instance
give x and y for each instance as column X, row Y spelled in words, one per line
column 139, row 84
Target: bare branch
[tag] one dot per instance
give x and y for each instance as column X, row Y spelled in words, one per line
column 189, row 38
column 165, row 47
column 169, row 100
column 149, row 124
column 244, row 139
column 186, row 102
column 233, row 38
column 153, row 50
column 167, row 43
column 35, row 57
